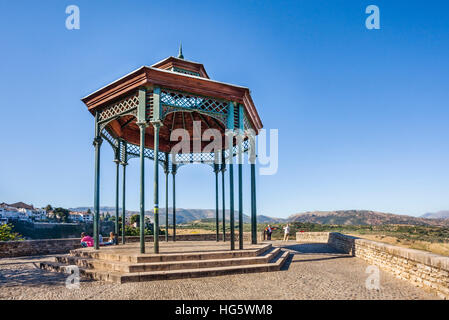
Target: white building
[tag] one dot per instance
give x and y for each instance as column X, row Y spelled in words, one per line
column 75, row 217
column 21, row 211
column 81, row 217
column 10, row 213
column 87, row 217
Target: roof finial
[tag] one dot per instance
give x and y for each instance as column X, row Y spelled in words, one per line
column 180, row 56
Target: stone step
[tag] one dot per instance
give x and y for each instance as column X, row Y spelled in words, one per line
column 178, row 256
column 89, row 263
column 117, row 277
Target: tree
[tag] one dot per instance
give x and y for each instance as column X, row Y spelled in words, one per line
column 131, row 231
column 6, row 233
column 134, row 218
column 62, row 214
column 48, row 208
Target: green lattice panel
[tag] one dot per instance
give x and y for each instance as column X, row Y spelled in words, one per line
column 121, row 107
column 180, row 101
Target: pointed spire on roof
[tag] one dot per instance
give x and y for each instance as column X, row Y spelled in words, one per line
column 180, row 56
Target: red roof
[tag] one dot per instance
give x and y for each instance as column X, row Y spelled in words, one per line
column 21, row 205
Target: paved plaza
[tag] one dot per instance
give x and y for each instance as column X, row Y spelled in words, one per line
column 313, row 271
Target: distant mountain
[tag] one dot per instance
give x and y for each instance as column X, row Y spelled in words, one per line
column 363, row 217
column 186, row 215
column 339, row 217
column 437, row 215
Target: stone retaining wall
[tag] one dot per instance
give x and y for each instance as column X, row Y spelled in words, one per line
column 37, row 247
column 312, row 237
column 423, row 269
column 58, row 246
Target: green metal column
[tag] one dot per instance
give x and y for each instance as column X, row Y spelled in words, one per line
column 141, row 113
column 253, row 205
column 216, row 170
column 156, row 126
column 240, row 168
column 166, row 171
column 173, row 172
column 157, row 123
column 252, row 161
column 142, row 127
column 97, row 143
column 223, row 169
column 117, row 182
column 124, row 164
column 231, row 206
column 230, row 136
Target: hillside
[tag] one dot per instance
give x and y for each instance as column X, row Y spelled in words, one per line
column 187, row 215
column 363, row 217
column 339, row 217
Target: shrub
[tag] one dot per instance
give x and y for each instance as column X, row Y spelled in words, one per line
column 6, row 233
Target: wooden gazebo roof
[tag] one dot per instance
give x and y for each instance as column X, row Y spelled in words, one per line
column 178, row 75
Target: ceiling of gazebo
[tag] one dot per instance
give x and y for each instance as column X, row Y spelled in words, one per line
column 126, row 128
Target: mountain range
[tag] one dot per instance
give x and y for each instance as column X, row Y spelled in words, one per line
column 365, row 217
column 437, row 215
column 338, row 217
column 185, row 215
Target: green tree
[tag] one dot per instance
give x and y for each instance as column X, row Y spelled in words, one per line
column 62, row 214
column 134, row 218
column 131, row 231
column 6, row 233
column 48, row 208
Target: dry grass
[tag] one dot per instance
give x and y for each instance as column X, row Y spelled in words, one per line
column 437, row 248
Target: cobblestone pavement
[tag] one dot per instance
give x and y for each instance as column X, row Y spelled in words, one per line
column 314, row 271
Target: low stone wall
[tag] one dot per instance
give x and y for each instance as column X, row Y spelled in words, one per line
column 58, row 246
column 37, row 247
column 312, row 237
column 423, row 269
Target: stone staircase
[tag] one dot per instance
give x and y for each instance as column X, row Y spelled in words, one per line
column 110, row 266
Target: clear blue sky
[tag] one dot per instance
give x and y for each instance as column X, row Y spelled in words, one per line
column 362, row 114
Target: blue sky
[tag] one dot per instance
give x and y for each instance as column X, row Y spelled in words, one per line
column 362, row 114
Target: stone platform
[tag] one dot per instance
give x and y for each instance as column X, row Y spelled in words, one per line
column 176, row 260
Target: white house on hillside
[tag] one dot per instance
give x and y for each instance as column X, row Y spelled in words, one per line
column 81, row 216
column 21, row 211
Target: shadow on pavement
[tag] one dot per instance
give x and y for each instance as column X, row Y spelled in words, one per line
column 25, row 272
column 312, row 248
column 324, row 251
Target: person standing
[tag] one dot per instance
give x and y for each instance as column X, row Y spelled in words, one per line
column 286, row 232
column 269, row 230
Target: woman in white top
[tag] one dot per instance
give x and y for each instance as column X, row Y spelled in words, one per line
column 286, row 232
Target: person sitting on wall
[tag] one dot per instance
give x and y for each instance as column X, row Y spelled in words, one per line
column 86, row 241
column 112, row 239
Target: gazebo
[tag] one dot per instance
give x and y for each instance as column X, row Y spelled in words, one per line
column 164, row 112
